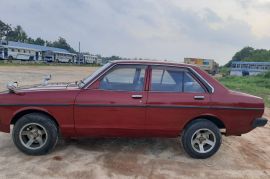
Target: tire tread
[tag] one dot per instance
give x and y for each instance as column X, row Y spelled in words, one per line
column 46, row 122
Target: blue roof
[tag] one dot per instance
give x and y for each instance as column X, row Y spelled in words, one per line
column 258, row 63
column 36, row 47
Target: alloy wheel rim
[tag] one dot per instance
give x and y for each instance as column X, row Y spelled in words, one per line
column 33, row 136
column 203, row 140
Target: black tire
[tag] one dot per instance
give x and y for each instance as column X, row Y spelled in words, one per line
column 43, row 122
column 201, row 127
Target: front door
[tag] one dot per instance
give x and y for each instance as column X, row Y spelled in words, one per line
column 175, row 96
column 5, row 53
column 115, row 106
column 1, row 52
column 37, row 56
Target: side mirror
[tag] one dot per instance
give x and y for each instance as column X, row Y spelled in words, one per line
column 11, row 86
column 46, row 79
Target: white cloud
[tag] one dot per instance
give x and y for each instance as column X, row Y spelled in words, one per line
column 162, row 29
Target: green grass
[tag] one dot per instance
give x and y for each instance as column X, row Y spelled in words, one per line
column 257, row 85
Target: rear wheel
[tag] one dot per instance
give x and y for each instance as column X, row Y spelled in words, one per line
column 35, row 134
column 201, row 139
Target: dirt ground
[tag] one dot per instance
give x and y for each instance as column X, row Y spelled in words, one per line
column 247, row 156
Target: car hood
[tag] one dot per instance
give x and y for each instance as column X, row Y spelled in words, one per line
column 48, row 87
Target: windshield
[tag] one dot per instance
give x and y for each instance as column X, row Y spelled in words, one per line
column 92, row 76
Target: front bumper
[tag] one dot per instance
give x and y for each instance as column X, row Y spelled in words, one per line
column 259, row 122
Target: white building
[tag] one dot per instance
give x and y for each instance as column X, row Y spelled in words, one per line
column 89, row 59
column 99, row 61
column 23, row 51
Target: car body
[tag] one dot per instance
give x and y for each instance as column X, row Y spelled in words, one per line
column 135, row 99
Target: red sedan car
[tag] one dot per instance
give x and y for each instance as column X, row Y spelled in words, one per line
column 131, row 99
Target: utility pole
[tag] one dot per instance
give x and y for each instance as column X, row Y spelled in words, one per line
column 79, row 53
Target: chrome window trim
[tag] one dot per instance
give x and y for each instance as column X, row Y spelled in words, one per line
column 119, row 90
column 190, row 68
column 99, row 75
column 169, row 65
column 187, row 71
column 179, row 92
column 204, row 80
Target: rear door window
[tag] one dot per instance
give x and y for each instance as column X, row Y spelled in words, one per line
column 191, row 85
column 167, row 79
column 172, row 79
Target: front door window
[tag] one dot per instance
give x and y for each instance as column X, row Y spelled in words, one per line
column 124, row 78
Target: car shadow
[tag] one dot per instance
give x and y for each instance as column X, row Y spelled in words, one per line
column 145, row 146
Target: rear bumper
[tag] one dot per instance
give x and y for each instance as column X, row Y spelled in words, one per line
column 259, row 122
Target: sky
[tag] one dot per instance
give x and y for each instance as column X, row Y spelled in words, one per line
column 149, row 29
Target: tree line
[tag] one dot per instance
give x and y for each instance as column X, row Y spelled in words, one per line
column 249, row 54
column 7, row 32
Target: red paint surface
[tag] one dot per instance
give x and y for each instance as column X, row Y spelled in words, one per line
column 94, row 112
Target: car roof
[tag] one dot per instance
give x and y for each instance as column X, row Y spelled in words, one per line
column 152, row 62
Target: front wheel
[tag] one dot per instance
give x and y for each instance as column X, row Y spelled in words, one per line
column 35, row 134
column 201, row 139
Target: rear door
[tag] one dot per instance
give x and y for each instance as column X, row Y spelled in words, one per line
column 115, row 106
column 175, row 96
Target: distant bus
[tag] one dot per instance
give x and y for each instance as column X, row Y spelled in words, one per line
column 11, row 52
column 207, row 65
column 23, row 51
column 240, row 68
column 88, row 59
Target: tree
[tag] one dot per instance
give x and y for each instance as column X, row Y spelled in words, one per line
column 4, row 29
column 252, row 55
column 39, row 41
column 258, row 55
column 61, row 43
column 108, row 59
column 30, row 40
column 17, row 34
column 242, row 54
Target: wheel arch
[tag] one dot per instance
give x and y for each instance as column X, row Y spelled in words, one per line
column 21, row 113
column 10, row 57
column 214, row 119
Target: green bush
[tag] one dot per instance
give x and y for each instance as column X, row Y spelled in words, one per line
column 267, row 74
column 224, row 71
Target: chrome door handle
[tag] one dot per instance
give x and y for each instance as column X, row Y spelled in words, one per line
column 137, row 96
column 199, row 97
